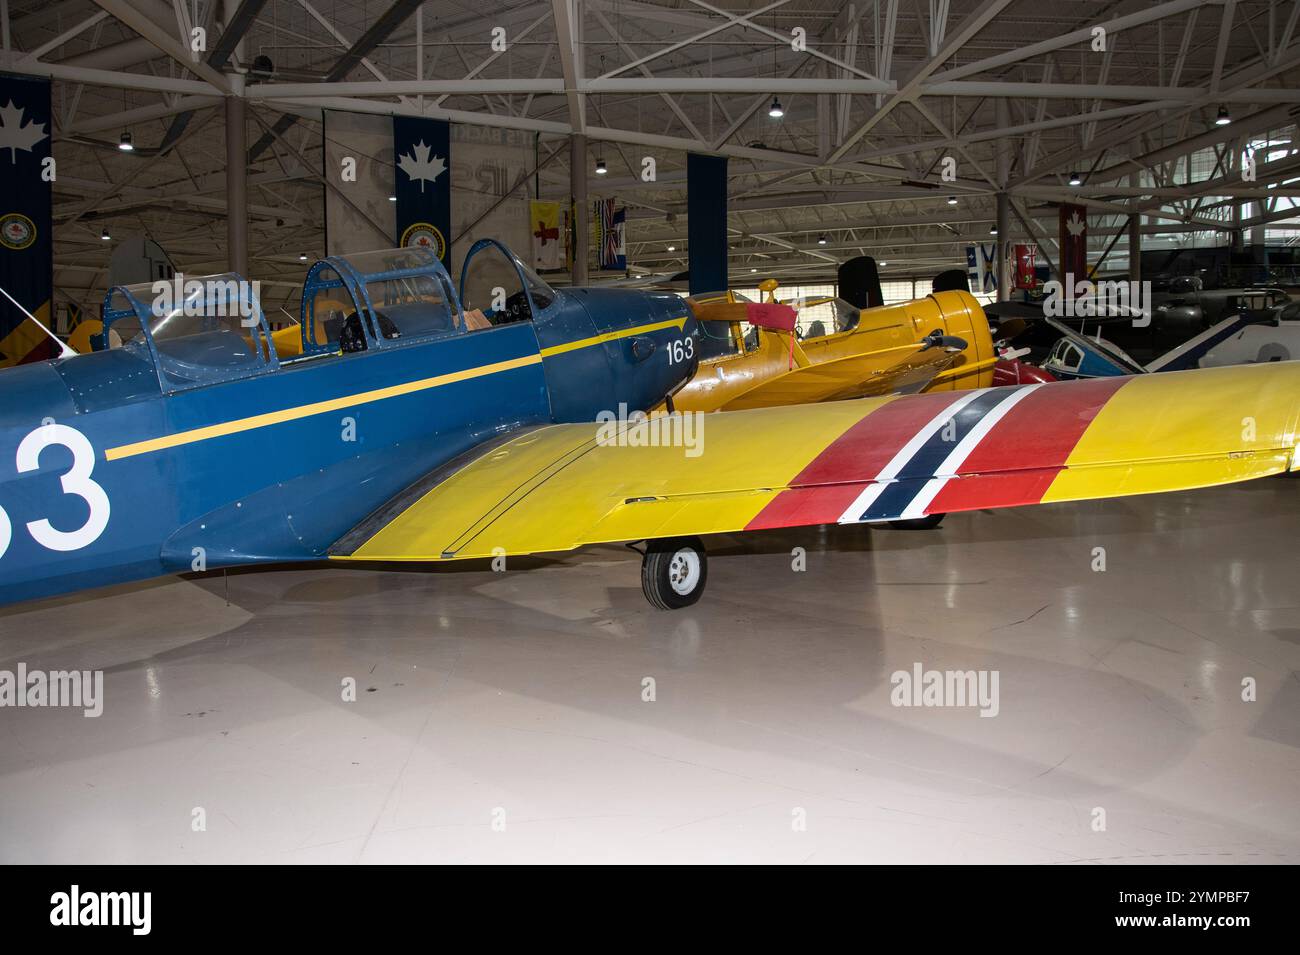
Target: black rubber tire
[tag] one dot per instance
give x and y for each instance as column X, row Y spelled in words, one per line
column 657, row 570
column 927, row 523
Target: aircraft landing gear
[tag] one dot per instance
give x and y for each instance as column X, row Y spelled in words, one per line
column 929, row 522
column 673, row 572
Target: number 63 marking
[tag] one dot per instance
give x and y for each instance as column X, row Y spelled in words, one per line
column 76, row 481
column 681, row 350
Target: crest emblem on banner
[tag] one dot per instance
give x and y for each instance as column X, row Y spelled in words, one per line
column 424, row 235
column 17, row 231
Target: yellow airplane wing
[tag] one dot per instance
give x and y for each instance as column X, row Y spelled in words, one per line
column 564, row 486
column 903, row 371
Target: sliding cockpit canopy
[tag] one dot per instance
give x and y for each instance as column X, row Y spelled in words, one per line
column 497, row 287
column 194, row 331
column 376, row 299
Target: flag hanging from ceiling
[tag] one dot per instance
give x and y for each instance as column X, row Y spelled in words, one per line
column 26, row 266
column 1074, row 242
column 620, row 230
column 1026, row 266
column 422, row 155
column 609, row 235
column 982, row 268
column 548, row 243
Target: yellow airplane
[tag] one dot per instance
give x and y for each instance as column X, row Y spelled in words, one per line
column 939, row 343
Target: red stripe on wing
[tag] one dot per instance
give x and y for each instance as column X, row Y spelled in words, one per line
column 820, row 492
column 1018, row 460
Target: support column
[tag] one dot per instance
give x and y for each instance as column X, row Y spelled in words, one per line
column 1135, row 247
column 1258, row 248
column 236, row 182
column 1135, row 238
column 1004, row 154
column 1003, row 243
column 581, row 211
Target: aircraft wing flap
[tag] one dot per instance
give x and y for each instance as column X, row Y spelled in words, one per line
column 468, row 491
column 869, row 460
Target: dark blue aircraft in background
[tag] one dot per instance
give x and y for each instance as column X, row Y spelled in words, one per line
column 190, row 444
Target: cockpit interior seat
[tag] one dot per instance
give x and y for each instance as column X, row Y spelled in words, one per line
column 475, row 320
column 353, row 339
column 420, row 318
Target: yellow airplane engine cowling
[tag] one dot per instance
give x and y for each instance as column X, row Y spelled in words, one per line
column 879, row 355
column 891, row 326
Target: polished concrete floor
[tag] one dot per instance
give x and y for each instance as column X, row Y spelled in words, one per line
column 500, row 716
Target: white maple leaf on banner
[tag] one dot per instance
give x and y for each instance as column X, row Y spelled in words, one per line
column 14, row 135
column 420, row 166
column 1074, row 225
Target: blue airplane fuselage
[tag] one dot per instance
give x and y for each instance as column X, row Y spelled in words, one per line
column 107, row 476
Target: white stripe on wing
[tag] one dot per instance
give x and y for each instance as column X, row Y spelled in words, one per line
column 948, row 469
column 886, row 476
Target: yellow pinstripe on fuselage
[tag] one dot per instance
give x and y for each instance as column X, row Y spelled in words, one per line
column 366, row 397
column 304, row 411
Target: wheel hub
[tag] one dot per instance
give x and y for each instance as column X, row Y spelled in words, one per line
column 684, row 571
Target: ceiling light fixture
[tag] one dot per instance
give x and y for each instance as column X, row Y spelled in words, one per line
column 601, row 168
column 821, row 240
column 392, row 198
column 1075, row 179
column 104, row 235
column 993, row 230
column 1223, row 119
column 775, row 110
column 952, row 200
column 672, row 248
column 125, row 143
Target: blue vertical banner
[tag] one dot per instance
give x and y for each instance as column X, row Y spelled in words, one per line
column 422, row 155
column 26, row 263
column 706, row 222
